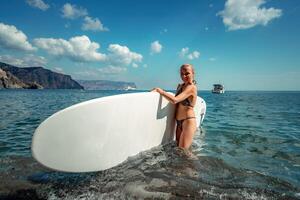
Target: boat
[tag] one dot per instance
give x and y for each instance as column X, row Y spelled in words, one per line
column 218, row 89
column 129, row 88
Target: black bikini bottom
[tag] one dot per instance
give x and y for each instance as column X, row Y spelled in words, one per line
column 179, row 122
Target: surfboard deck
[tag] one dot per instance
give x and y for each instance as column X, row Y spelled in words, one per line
column 101, row 133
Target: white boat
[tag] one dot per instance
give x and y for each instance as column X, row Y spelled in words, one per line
column 129, row 88
column 218, row 88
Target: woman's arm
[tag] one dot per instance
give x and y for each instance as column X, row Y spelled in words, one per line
column 174, row 100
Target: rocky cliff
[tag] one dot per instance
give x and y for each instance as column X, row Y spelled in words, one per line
column 34, row 77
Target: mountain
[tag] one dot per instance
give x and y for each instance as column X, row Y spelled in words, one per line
column 7, row 80
column 106, row 85
column 34, row 77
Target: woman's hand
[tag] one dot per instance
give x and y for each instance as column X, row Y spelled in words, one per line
column 159, row 90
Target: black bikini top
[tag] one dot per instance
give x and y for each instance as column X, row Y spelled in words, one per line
column 186, row 101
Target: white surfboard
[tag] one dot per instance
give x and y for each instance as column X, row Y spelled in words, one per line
column 101, row 133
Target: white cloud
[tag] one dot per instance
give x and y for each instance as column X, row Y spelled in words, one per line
column 12, row 38
column 11, row 60
column 40, row 4
column 212, row 59
column 121, row 55
column 193, row 55
column 79, row 48
column 58, row 69
column 85, row 74
column 67, row 25
column 33, row 60
column 135, row 65
column 93, row 24
column 72, row 11
column 184, row 53
column 89, row 24
column 145, row 65
column 112, row 70
column 29, row 60
column 156, row 47
column 247, row 14
column 164, row 31
column 109, row 72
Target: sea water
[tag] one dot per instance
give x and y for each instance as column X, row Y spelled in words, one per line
column 248, row 148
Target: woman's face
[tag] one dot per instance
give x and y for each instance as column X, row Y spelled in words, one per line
column 187, row 74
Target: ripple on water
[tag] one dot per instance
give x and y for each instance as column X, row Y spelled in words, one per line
column 162, row 172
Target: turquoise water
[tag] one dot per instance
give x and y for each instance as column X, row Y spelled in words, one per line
column 248, row 148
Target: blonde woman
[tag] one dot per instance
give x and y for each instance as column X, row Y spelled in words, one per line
column 185, row 100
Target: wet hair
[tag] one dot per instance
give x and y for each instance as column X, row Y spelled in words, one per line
column 191, row 66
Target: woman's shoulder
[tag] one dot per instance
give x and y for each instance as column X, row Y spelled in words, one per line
column 193, row 86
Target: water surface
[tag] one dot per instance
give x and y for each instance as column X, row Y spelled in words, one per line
column 248, row 148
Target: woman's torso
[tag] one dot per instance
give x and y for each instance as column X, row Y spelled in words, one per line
column 184, row 111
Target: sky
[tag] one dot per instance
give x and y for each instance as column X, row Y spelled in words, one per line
column 242, row 44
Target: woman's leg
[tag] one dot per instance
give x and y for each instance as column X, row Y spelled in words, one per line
column 178, row 133
column 188, row 131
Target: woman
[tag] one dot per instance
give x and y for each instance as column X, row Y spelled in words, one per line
column 185, row 99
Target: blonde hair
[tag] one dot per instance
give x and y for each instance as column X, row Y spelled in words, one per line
column 191, row 66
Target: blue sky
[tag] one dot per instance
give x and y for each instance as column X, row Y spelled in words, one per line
column 243, row 44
